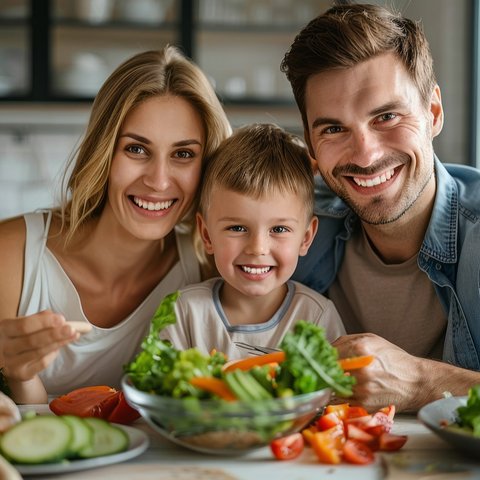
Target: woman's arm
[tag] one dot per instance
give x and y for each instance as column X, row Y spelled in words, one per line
column 27, row 344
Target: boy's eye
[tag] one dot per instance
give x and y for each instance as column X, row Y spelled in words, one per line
column 237, row 228
column 280, row 229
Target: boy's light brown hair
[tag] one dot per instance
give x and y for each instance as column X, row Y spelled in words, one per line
column 259, row 159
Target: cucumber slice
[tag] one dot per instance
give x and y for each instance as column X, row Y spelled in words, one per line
column 82, row 434
column 107, row 439
column 40, row 439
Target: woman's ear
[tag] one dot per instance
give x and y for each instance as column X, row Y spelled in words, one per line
column 309, row 236
column 203, row 230
column 436, row 109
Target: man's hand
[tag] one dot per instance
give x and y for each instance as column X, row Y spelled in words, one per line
column 396, row 377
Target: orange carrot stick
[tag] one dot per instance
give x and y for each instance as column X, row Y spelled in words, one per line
column 250, row 362
column 352, row 363
column 213, row 385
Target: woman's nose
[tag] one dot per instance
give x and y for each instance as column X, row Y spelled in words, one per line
column 157, row 174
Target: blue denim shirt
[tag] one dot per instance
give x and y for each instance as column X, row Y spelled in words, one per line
column 450, row 254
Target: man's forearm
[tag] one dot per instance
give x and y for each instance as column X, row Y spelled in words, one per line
column 442, row 377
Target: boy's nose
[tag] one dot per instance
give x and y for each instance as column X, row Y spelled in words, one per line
column 258, row 245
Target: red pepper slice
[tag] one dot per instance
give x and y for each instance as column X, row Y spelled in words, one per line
column 97, row 401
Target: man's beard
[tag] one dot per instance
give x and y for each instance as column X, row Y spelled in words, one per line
column 379, row 211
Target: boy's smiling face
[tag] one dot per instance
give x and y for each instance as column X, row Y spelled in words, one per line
column 256, row 242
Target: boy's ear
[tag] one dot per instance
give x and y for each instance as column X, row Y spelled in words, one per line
column 203, row 230
column 309, row 236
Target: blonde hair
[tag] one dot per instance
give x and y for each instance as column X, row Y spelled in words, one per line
column 145, row 75
column 259, row 159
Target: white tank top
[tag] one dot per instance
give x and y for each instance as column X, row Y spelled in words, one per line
column 96, row 358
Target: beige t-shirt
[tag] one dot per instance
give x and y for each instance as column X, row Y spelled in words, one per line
column 396, row 301
column 202, row 323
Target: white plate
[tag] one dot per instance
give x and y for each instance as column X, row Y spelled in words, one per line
column 434, row 416
column 138, row 443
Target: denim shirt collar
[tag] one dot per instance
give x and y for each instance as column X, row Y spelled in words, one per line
column 440, row 241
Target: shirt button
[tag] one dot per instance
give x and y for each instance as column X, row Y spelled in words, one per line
column 438, row 266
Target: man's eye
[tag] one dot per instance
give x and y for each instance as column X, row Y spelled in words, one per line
column 385, row 117
column 280, row 229
column 237, row 228
column 332, row 129
column 135, row 149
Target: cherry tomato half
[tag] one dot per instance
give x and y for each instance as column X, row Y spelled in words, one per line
column 287, row 448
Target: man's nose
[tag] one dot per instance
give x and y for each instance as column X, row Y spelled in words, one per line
column 367, row 147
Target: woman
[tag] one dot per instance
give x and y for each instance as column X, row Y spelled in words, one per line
column 120, row 242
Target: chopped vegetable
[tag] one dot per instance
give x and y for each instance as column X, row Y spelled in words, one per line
column 215, row 386
column 258, row 360
column 469, row 414
column 353, row 363
column 287, row 448
column 350, row 433
column 98, row 401
column 311, row 362
column 49, row 438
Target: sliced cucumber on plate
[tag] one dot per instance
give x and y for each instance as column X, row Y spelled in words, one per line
column 47, row 439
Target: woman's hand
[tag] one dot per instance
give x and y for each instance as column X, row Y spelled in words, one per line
column 29, row 344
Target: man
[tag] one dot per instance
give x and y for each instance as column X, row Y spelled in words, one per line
column 398, row 245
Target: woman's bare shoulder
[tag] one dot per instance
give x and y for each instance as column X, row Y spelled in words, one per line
column 12, row 235
column 12, row 247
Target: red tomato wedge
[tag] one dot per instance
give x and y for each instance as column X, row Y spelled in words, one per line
column 287, row 448
column 98, row 401
column 388, row 442
column 357, row 452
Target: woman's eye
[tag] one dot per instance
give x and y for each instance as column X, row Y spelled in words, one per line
column 136, row 149
column 184, row 154
column 237, row 228
column 280, row 229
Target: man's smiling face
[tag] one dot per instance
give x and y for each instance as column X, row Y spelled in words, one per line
column 371, row 136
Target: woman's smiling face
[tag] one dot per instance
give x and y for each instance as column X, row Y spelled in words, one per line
column 156, row 166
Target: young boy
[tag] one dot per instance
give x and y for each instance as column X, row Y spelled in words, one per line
column 255, row 217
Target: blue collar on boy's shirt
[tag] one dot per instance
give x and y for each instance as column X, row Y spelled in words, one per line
column 255, row 327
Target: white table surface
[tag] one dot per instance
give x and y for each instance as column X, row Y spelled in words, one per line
column 425, row 456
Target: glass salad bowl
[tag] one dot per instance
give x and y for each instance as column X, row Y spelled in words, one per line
column 221, row 427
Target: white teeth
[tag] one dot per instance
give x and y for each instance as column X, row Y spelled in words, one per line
column 371, row 182
column 255, row 271
column 152, row 206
